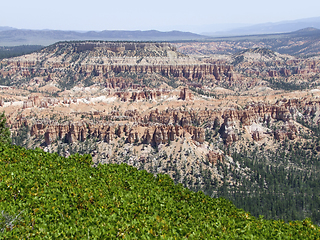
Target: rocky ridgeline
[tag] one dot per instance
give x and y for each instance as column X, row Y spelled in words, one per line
column 163, row 126
column 264, row 63
column 151, row 133
column 115, row 47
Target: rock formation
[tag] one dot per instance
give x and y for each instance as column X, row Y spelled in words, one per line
column 215, row 157
column 154, row 134
column 161, row 127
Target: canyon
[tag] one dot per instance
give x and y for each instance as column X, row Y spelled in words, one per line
column 153, row 106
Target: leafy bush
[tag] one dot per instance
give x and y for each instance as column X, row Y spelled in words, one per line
column 8, row 221
column 64, row 198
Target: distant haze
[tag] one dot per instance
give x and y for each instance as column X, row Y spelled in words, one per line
column 195, row 16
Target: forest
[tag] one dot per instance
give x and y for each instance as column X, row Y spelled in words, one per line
column 8, row 52
column 281, row 183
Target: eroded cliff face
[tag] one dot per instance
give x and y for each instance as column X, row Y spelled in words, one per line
column 161, row 127
column 148, row 133
column 284, row 110
column 52, row 70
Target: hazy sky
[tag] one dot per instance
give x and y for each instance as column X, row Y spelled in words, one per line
column 144, row 15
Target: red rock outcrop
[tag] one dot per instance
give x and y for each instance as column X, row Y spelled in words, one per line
column 288, row 131
column 161, row 127
column 36, row 101
column 185, row 94
column 215, row 157
column 257, row 136
column 153, row 133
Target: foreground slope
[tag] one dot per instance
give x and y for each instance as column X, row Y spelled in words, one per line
column 67, row 198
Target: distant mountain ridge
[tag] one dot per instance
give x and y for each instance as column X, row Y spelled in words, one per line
column 307, row 31
column 15, row 37
column 270, row 28
column 304, row 42
column 6, row 28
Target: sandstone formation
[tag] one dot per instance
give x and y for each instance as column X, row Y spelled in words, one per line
column 288, row 131
column 215, row 157
column 153, row 134
column 185, row 94
column 161, row 127
column 36, row 101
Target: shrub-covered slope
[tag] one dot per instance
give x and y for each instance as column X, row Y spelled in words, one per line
column 60, row 198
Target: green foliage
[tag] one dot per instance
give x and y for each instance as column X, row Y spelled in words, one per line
column 4, row 130
column 64, row 198
column 6, row 81
column 201, row 92
column 315, row 128
column 290, row 86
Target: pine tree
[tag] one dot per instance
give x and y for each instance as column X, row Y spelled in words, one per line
column 4, row 130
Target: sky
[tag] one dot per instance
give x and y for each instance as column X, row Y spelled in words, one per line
column 165, row 15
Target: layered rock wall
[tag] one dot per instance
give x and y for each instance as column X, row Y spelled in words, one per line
column 159, row 127
column 154, row 134
column 188, row 71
